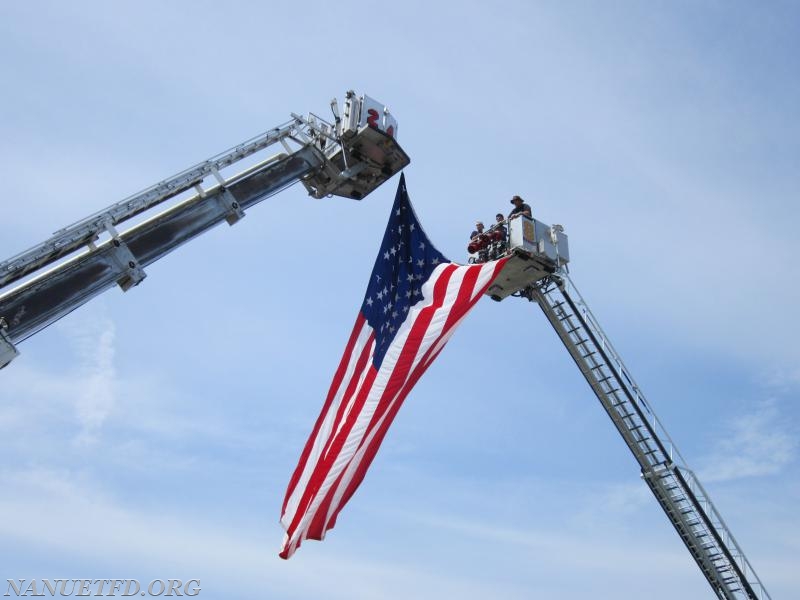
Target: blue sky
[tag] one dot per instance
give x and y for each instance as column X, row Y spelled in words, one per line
column 151, row 434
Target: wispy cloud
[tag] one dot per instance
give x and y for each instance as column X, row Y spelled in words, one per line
column 96, row 384
column 755, row 444
column 229, row 561
column 784, row 378
column 54, row 404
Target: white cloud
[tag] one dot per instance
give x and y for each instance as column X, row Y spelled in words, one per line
column 754, row 444
column 88, row 523
column 564, row 549
column 78, row 401
column 784, row 378
column 96, row 384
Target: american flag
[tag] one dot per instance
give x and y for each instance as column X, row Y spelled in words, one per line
column 414, row 301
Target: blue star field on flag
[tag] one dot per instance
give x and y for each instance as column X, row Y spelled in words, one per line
column 405, row 261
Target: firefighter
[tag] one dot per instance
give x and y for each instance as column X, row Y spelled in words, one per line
column 520, row 208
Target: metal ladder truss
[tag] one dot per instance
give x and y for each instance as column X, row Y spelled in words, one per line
column 672, row 482
column 40, row 301
column 90, row 256
column 86, row 231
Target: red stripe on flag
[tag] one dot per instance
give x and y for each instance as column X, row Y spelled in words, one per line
column 371, row 399
column 394, row 385
column 328, row 458
column 374, row 440
column 337, row 380
column 346, row 407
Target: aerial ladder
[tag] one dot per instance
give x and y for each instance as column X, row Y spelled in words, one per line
column 349, row 157
column 537, row 270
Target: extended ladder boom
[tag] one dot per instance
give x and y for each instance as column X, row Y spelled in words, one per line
column 349, row 158
column 537, row 270
column 673, row 483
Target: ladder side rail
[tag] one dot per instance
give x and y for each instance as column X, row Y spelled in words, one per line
column 616, row 416
column 39, row 302
column 720, row 532
column 750, row 577
column 684, row 522
column 709, row 512
column 138, row 203
column 649, row 461
column 674, row 515
column 621, row 368
column 692, row 537
column 73, row 237
column 584, row 351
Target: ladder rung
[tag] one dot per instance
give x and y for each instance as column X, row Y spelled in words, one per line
column 588, row 354
column 725, row 569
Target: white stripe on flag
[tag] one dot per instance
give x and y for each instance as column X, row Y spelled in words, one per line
column 358, row 442
column 431, row 340
column 357, row 432
column 324, row 433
